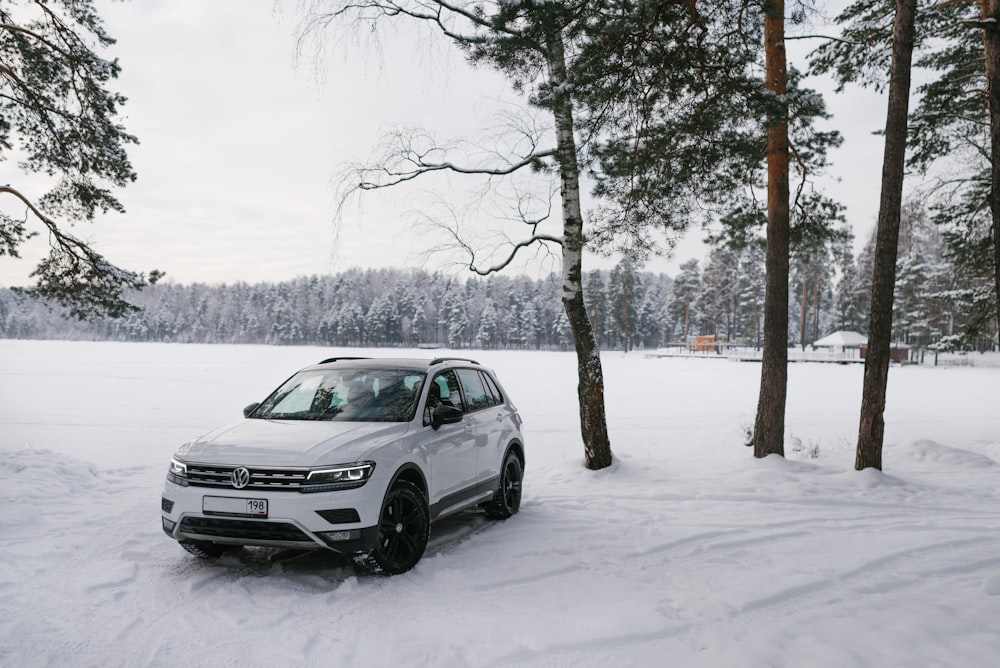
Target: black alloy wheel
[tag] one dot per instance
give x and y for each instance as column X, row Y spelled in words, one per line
column 403, row 529
column 508, row 497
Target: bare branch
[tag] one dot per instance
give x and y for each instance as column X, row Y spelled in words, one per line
column 829, row 38
column 422, row 166
column 805, row 173
column 537, row 239
column 373, row 10
column 459, row 243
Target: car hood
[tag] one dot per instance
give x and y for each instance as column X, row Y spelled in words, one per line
column 257, row 442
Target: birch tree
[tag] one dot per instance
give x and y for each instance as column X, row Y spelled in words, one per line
column 644, row 96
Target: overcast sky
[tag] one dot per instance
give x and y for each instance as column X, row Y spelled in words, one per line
column 241, row 143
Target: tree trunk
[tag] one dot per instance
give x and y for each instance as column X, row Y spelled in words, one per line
column 804, row 308
column 991, row 10
column 815, row 306
column 769, row 426
column 687, row 314
column 872, row 428
column 593, row 423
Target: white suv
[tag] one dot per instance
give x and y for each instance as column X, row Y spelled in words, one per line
column 354, row 455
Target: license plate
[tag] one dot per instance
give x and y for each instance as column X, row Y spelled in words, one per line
column 234, row 507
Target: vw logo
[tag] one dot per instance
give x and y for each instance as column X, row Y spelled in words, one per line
column 240, row 477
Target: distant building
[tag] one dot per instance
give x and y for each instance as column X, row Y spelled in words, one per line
column 843, row 342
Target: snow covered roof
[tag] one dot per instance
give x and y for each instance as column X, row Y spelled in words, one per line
column 842, row 339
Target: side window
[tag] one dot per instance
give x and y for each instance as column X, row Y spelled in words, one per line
column 443, row 391
column 475, row 393
column 491, row 386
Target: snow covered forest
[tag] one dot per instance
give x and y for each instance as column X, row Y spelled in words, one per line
column 938, row 305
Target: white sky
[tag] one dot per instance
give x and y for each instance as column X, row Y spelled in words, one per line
column 240, row 145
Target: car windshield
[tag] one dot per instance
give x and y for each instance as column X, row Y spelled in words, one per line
column 355, row 395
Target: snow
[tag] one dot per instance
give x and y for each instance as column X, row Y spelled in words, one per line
column 687, row 551
column 841, row 339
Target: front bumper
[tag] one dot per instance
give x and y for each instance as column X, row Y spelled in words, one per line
column 343, row 521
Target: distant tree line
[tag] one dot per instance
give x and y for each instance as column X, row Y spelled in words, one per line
column 938, row 305
column 371, row 308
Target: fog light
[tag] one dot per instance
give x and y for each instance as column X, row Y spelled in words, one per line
column 340, row 536
column 168, row 526
column 166, row 505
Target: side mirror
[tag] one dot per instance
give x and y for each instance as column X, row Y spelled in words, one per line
column 445, row 415
column 250, row 409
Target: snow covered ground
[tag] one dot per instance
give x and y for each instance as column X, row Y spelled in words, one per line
column 688, row 552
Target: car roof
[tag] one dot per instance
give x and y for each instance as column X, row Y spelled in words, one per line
column 391, row 362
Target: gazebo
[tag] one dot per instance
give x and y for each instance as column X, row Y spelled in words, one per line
column 841, row 341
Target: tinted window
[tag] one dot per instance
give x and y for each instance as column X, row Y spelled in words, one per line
column 475, row 393
column 493, row 389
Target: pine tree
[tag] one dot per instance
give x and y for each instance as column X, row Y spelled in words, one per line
column 623, row 301
column 57, row 109
column 419, row 322
column 486, row 337
column 750, row 300
column 954, row 125
column 846, row 314
column 687, row 287
column 717, row 297
column 597, row 305
column 650, row 323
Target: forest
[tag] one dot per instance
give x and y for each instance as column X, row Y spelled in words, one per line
column 721, row 295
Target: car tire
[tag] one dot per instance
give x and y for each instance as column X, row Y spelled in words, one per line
column 507, row 499
column 403, row 530
column 206, row 550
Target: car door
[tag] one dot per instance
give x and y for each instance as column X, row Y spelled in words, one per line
column 485, row 419
column 451, row 448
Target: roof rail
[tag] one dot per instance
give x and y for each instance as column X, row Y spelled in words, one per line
column 441, row 360
column 341, row 359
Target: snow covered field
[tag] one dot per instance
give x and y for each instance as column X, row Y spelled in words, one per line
column 688, row 552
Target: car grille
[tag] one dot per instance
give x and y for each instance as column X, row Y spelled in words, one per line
column 275, row 479
column 243, row 529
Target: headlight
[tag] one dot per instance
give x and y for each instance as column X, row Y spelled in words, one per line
column 177, row 473
column 344, row 476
